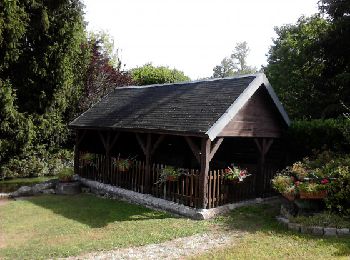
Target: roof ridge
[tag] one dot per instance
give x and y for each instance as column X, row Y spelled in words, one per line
column 189, row 82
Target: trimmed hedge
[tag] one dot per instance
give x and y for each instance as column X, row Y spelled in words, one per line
column 306, row 136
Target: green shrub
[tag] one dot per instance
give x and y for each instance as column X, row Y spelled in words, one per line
column 66, row 173
column 305, row 136
column 338, row 199
column 36, row 164
column 324, row 171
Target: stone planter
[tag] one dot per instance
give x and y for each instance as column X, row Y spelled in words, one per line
column 68, row 188
column 289, row 196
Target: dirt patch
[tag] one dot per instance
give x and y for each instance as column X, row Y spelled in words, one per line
column 3, row 202
column 174, row 249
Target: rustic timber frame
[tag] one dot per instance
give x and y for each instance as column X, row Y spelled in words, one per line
column 255, row 119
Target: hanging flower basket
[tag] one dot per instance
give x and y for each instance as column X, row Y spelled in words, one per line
column 233, row 181
column 123, row 165
column 313, row 195
column 235, row 174
column 289, row 196
column 171, row 178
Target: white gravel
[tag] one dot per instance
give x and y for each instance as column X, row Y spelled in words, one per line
column 174, row 249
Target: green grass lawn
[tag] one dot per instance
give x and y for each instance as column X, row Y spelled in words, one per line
column 267, row 239
column 11, row 185
column 27, row 180
column 58, row 226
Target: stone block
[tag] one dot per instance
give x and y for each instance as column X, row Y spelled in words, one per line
column 282, row 220
column 294, row 226
column 343, row 231
column 305, row 229
column 317, row 231
column 22, row 191
column 68, row 188
column 49, row 191
column 330, row 231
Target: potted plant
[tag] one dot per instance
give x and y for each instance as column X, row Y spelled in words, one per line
column 123, row 165
column 66, row 174
column 313, row 189
column 285, row 185
column 235, row 174
column 88, row 159
column 169, row 173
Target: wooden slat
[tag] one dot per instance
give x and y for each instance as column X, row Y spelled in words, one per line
column 209, row 189
column 214, row 189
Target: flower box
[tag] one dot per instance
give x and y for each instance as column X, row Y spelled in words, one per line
column 313, row 195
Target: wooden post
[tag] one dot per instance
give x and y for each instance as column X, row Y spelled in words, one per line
column 263, row 148
column 148, row 147
column 108, row 145
column 203, row 182
column 76, row 153
column 78, row 138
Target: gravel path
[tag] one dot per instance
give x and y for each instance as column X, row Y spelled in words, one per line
column 174, row 249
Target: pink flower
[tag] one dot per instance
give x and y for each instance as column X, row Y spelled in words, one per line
column 325, row 181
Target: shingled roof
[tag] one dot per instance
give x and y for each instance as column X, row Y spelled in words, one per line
column 199, row 107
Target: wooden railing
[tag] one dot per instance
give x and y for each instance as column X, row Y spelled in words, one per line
column 184, row 190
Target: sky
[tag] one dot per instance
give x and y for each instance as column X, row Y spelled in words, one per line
column 192, row 35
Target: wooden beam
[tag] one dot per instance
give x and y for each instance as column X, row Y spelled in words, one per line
column 114, row 140
column 194, row 148
column 267, row 145
column 263, row 146
column 215, row 147
column 203, row 178
column 256, row 140
column 141, row 143
column 80, row 138
column 156, row 144
column 102, row 139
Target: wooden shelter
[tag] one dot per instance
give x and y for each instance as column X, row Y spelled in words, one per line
column 200, row 126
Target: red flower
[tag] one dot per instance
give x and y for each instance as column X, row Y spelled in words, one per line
column 297, row 183
column 227, row 170
column 325, row 181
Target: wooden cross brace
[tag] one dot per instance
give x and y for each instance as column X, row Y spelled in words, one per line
column 197, row 152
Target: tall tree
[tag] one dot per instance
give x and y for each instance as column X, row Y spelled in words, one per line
column 149, row 74
column 295, row 66
column 225, row 69
column 335, row 45
column 42, row 67
column 104, row 71
column 236, row 64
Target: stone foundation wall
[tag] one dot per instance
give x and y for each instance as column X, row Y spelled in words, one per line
column 157, row 203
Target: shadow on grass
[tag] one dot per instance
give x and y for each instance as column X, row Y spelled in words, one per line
column 261, row 218
column 94, row 211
